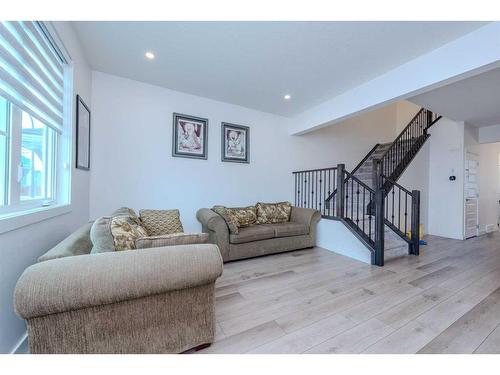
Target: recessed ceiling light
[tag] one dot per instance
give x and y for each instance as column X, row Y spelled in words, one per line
column 287, row 97
column 149, row 55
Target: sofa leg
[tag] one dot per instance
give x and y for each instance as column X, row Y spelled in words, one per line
column 201, row 347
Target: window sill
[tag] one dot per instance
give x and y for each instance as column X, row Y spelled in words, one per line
column 13, row 221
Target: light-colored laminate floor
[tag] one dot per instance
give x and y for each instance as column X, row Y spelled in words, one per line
column 315, row 301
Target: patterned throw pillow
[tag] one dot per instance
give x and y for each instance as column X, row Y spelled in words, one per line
column 273, row 213
column 126, row 211
column 126, row 231
column 246, row 216
column 229, row 218
column 160, row 222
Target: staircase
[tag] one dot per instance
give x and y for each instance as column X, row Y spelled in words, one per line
column 368, row 200
column 365, row 170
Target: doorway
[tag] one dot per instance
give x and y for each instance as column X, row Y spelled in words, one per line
column 471, row 221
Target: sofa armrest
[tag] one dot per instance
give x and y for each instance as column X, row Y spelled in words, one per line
column 307, row 216
column 84, row 281
column 213, row 224
column 211, row 219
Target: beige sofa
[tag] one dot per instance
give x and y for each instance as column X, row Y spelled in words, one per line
column 262, row 239
column 158, row 300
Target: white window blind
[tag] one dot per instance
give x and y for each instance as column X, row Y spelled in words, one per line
column 31, row 72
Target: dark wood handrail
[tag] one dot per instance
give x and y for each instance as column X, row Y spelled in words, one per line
column 314, row 170
column 330, row 197
column 365, row 158
column 352, row 177
column 394, row 183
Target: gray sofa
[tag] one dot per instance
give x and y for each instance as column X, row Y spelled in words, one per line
column 158, row 300
column 262, row 239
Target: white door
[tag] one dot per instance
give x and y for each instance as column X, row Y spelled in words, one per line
column 471, row 213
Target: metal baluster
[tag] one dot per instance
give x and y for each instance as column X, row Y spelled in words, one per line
column 313, row 198
column 364, row 206
column 406, row 213
column 346, row 205
column 329, row 192
column 320, row 192
column 295, row 190
column 322, row 187
column 387, row 206
column 316, row 190
column 304, row 184
column 357, row 205
column 392, row 214
column 352, row 199
column 399, row 208
column 309, row 177
column 370, row 217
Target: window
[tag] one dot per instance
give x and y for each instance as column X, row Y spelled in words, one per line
column 4, row 151
column 33, row 92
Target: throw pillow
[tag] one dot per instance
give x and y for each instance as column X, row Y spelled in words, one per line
column 160, row 222
column 125, row 232
column 273, row 213
column 100, row 235
column 126, row 211
column 171, row 240
column 246, row 216
column 229, row 218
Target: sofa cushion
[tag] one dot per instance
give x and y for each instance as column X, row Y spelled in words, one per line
column 161, row 222
column 246, row 216
column 253, row 233
column 125, row 232
column 230, row 219
column 273, row 213
column 171, row 240
column 289, row 229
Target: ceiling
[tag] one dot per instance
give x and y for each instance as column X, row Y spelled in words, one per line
column 475, row 100
column 254, row 64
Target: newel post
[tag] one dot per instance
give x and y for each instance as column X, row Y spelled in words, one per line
column 340, row 196
column 378, row 254
column 415, row 222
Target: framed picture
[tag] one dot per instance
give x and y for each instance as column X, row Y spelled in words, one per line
column 189, row 136
column 82, row 134
column 235, row 143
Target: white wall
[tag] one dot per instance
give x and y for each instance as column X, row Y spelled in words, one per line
column 489, row 134
column 21, row 247
column 446, row 200
column 132, row 161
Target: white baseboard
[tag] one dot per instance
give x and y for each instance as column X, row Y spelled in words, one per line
column 20, row 344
